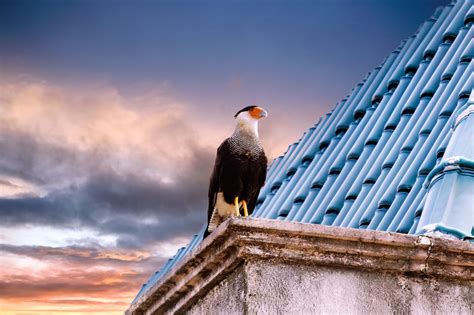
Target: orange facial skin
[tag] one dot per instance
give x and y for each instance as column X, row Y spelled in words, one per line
column 257, row 112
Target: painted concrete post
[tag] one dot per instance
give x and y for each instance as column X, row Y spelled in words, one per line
column 449, row 207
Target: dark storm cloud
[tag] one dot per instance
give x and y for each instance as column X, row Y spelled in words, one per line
column 49, row 210
column 122, row 203
column 124, row 192
column 109, row 201
column 114, row 203
column 31, row 158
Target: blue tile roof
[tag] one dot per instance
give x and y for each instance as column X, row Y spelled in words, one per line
column 397, row 154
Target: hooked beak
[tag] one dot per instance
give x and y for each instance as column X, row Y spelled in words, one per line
column 263, row 113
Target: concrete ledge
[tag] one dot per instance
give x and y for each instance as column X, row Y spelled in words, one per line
column 241, row 240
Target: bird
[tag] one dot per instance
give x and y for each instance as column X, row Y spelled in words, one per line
column 239, row 170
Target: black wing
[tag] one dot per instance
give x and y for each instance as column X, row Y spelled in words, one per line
column 262, row 175
column 215, row 179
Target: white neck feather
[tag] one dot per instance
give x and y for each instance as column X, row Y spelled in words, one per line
column 246, row 125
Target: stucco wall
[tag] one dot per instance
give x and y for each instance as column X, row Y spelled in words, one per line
column 228, row 297
column 254, row 266
column 268, row 287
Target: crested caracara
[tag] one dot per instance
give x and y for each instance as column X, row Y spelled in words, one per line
column 239, row 171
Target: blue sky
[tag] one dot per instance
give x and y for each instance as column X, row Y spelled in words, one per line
column 212, row 53
column 111, row 112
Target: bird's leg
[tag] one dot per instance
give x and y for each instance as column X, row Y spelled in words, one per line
column 236, row 203
column 246, row 212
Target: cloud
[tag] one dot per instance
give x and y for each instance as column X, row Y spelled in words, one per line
column 42, row 279
column 135, row 168
column 139, row 208
column 69, row 283
column 60, row 125
column 103, row 160
column 79, row 254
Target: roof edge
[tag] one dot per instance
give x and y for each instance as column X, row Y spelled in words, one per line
column 241, row 239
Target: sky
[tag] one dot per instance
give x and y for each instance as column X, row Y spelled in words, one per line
column 111, row 113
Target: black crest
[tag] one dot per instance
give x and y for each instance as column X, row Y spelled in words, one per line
column 245, row 109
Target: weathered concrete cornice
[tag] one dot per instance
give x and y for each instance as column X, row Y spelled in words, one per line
column 238, row 240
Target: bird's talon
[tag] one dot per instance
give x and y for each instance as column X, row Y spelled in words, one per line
column 246, row 212
column 236, row 203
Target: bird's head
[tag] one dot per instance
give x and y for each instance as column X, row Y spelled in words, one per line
column 251, row 112
column 248, row 117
